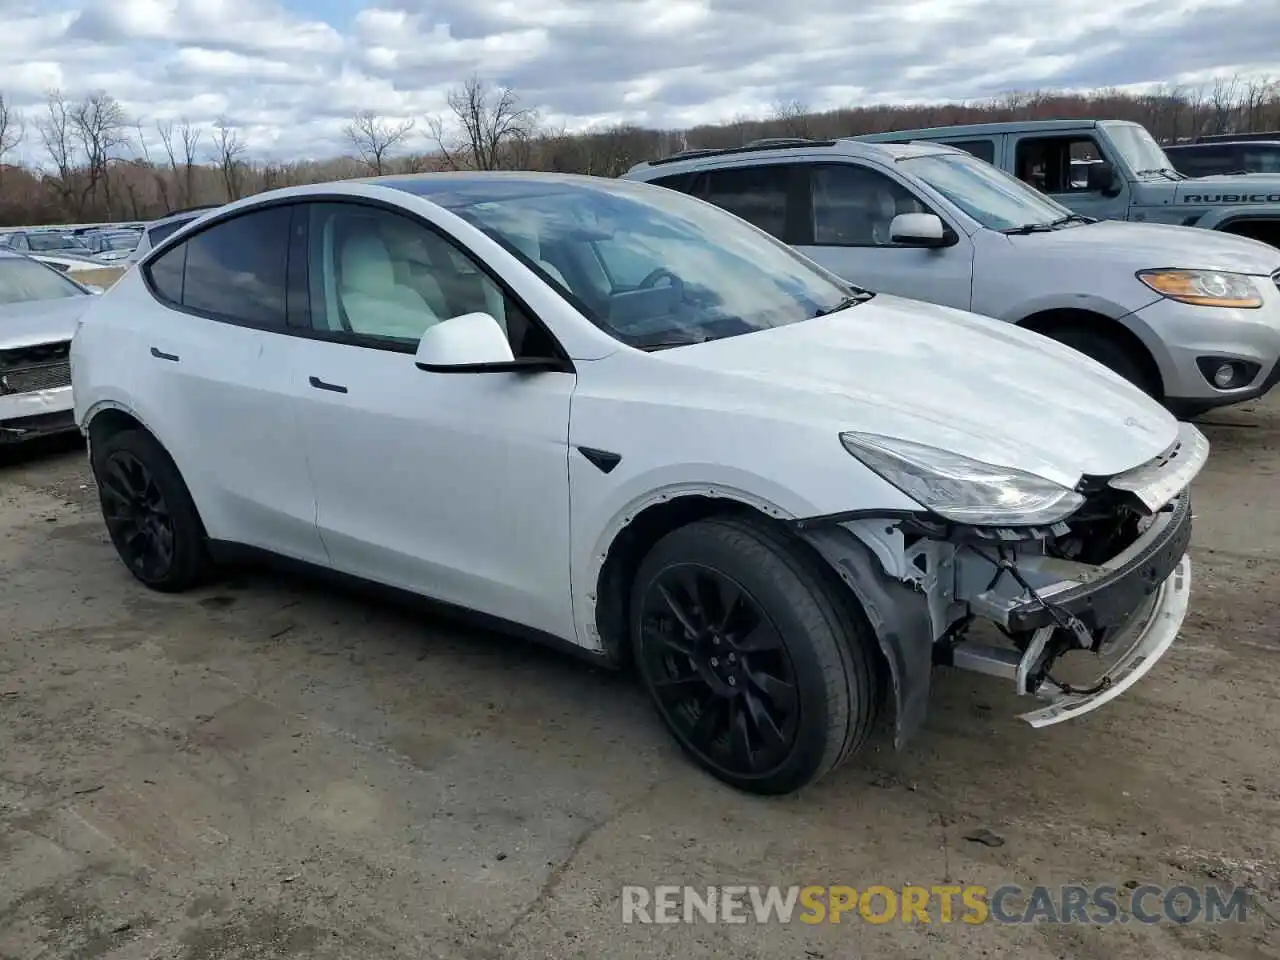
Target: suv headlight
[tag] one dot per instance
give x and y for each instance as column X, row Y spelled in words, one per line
column 1203, row 288
column 960, row 489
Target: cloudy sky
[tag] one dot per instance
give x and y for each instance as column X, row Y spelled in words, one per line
column 291, row 72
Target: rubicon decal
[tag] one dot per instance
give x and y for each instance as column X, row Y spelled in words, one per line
column 1231, row 198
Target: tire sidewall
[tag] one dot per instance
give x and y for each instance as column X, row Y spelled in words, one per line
column 776, row 593
column 188, row 534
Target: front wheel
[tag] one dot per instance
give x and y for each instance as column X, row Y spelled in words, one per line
column 149, row 513
column 1111, row 353
column 760, row 667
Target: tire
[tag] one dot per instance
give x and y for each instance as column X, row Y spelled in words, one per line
column 1109, row 352
column 187, row 561
column 821, row 634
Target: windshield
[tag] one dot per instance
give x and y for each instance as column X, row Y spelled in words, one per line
column 651, row 266
column 44, row 242
column 995, row 199
column 1138, row 148
column 22, row 280
column 119, row 241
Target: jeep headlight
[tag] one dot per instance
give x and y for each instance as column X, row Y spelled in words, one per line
column 961, row 489
column 1203, row 288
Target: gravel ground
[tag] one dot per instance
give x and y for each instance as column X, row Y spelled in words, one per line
column 269, row 768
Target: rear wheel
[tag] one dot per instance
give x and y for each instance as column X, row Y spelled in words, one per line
column 761, row 668
column 149, row 513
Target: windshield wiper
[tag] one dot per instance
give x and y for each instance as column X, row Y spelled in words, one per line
column 1073, row 218
column 1169, row 172
column 1029, row 228
column 669, row 343
column 851, row 300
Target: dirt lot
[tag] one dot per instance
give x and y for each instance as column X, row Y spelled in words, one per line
column 268, row 769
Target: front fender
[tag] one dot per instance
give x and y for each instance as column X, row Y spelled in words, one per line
column 899, row 615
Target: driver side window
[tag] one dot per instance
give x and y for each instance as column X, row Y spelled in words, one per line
column 377, row 278
column 854, row 206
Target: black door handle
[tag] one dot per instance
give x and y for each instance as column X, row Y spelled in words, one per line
column 161, row 355
column 321, row 385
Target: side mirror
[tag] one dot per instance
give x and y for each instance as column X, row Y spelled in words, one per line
column 919, row 230
column 464, row 343
column 1102, row 179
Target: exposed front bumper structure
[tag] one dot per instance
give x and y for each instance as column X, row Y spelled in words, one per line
column 924, row 582
column 24, row 416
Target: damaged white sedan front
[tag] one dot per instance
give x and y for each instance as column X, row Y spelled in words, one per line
column 1101, row 568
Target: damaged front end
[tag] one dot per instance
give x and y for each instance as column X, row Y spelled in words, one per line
column 1111, row 579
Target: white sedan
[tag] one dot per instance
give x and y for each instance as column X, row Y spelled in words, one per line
column 617, row 417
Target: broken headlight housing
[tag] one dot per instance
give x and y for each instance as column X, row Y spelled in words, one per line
column 960, row 489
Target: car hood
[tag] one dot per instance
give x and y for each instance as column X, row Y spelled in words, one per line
column 953, row 380
column 1144, row 246
column 40, row 321
column 1241, row 185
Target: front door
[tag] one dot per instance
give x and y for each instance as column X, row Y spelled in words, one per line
column 452, row 485
column 1058, row 165
column 852, row 208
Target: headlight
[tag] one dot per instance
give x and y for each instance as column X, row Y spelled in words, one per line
column 960, row 489
column 1203, row 288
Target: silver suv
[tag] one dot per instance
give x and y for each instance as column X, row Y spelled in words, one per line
column 159, row 230
column 1192, row 316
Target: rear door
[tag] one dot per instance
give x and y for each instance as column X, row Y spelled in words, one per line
column 217, row 363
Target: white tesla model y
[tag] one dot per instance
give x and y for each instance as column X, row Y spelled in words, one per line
column 624, row 419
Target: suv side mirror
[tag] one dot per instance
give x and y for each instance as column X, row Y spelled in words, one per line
column 474, row 343
column 1102, row 179
column 919, row 230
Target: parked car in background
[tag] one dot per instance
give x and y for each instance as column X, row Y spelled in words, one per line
column 1231, row 157
column 107, row 246
column 1190, row 317
column 628, row 422
column 157, row 231
column 53, row 242
column 39, row 308
column 1134, row 180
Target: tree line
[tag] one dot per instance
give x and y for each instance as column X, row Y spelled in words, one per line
column 100, row 164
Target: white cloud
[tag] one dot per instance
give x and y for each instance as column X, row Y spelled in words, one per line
column 291, row 72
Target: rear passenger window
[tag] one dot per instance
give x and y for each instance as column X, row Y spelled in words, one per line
column 236, row 269
column 982, row 149
column 757, row 194
column 166, row 274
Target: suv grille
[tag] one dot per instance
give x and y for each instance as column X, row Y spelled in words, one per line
column 41, row 367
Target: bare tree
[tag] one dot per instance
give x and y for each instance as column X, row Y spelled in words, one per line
column 159, row 174
column 228, row 148
column 190, row 135
column 495, row 128
column 55, row 133
column 372, row 136
column 793, row 117
column 12, row 130
column 100, row 128
column 1223, row 102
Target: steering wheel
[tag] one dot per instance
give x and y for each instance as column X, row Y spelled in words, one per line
column 651, row 280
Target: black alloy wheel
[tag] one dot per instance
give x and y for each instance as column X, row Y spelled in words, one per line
column 149, row 513
column 137, row 516
column 721, row 674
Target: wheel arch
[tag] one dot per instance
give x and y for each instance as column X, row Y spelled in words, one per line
column 109, row 417
column 1060, row 318
column 630, row 537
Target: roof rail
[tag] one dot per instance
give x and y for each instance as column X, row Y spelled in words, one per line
column 775, row 143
